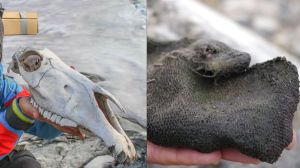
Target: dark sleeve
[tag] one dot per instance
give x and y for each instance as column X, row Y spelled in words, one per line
column 43, row 130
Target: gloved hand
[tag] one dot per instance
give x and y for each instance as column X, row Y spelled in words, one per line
column 16, row 118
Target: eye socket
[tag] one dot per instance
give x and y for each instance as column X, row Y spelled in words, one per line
column 31, row 63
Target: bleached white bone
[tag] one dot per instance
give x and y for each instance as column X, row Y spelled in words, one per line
column 60, row 90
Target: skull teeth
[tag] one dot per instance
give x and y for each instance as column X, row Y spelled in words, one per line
column 45, row 114
column 40, row 110
column 53, row 117
column 31, row 101
column 48, row 116
column 35, row 105
column 58, row 119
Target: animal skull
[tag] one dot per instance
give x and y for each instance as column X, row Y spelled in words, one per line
column 68, row 98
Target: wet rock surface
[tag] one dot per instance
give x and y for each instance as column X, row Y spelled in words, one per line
column 251, row 111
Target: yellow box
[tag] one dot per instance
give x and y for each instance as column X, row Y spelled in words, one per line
column 20, row 23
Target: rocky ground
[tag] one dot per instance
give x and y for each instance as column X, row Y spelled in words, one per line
column 70, row 152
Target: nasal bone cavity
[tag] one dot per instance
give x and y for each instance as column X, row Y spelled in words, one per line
column 68, row 89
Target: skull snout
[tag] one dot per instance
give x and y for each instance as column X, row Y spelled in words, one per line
column 123, row 151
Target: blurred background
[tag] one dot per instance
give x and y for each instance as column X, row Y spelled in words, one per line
column 275, row 20
column 263, row 28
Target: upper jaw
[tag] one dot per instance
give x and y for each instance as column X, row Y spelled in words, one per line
column 119, row 144
column 61, row 119
column 52, row 116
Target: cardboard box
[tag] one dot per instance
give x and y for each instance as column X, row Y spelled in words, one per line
column 17, row 23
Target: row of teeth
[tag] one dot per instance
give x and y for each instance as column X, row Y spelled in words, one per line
column 53, row 117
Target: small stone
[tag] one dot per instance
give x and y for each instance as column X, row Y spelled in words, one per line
column 60, row 150
column 105, row 161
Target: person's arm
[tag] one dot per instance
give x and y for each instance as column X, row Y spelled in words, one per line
column 19, row 112
column 11, row 94
column 175, row 156
column 43, row 130
column 9, row 135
